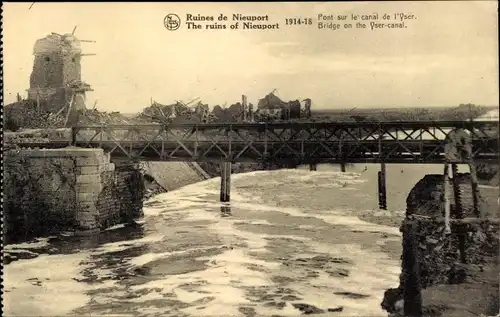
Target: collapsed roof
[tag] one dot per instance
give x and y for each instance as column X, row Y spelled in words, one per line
column 270, row 101
column 57, row 43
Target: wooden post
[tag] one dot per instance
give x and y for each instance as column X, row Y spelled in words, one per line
column 313, row 167
column 225, row 181
column 342, row 167
column 446, row 198
column 475, row 189
column 382, row 192
column 411, row 271
column 458, row 211
column 382, row 195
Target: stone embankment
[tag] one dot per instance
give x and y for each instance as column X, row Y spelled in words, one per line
column 48, row 191
column 439, row 257
column 173, row 175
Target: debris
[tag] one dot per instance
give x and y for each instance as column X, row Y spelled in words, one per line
column 307, row 309
column 351, row 295
column 336, row 309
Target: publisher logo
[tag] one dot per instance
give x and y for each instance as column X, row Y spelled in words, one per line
column 172, row 22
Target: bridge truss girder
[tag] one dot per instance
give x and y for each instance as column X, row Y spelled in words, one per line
column 398, row 142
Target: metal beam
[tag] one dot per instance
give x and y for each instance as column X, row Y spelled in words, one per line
column 303, row 143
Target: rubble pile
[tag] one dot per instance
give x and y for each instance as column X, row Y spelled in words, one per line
column 178, row 112
column 230, row 114
column 36, row 136
column 27, row 114
column 96, row 117
column 439, row 253
column 162, row 113
column 270, row 107
column 439, row 256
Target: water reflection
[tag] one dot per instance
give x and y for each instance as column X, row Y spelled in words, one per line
column 69, row 243
column 225, row 211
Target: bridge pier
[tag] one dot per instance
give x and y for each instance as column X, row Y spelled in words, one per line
column 313, row 167
column 382, row 193
column 446, row 198
column 342, row 167
column 225, row 181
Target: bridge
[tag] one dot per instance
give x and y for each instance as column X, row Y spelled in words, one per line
column 295, row 142
column 301, row 143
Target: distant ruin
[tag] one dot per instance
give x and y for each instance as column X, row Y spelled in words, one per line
column 56, row 79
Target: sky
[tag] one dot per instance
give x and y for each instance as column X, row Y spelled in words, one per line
column 448, row 55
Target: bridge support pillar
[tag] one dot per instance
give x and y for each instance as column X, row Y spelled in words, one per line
column 382, row 194
column 342, row 167
column 225, row 181
column 446, row 198
column 313, row 167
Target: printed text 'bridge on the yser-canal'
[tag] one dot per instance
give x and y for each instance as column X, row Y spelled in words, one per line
column 302, row 143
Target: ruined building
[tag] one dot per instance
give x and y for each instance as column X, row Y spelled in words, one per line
column 55, row 81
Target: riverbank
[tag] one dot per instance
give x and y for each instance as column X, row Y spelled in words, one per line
column 51, row 191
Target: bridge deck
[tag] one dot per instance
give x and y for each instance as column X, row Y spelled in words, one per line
column 390, row 142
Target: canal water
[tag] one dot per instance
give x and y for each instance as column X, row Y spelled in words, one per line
column 291, row 237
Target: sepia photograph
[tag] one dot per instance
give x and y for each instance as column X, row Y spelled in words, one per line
column 247, row 159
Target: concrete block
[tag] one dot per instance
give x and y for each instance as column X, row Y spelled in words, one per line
column 93, row 178
column 106, row 157
column 89, row 169
column 110, row 167
column 55, row 196
column 88, row 187
column 83, row 152
column 87, row 232
column 86, row 197
column 88, row 223
column 86, row 207
column 87, row 215
column 86, row 161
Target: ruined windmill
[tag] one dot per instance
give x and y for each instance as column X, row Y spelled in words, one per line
column 55, row 82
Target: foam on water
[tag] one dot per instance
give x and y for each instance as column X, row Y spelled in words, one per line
column 123, row 245
column 55, row 294
column 115, row 227
column 151, row 257
column 38, row 243
column 221, row 281
column 220, row 288
column 371, row 275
